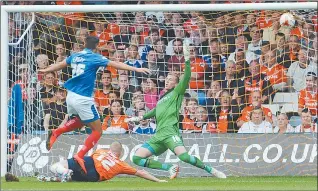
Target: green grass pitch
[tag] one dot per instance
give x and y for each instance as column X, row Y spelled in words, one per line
column 208, row 183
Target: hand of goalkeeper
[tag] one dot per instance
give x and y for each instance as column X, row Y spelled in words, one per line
column 186, row 52
column 133, row 119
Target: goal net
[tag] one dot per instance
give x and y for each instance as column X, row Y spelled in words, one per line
column 250, row 108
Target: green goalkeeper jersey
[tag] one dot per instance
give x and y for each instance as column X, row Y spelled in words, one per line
column 168, row 107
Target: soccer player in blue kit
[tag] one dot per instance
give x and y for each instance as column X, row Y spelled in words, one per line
column 80, row 103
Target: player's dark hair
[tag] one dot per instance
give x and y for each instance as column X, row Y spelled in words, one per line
column 91, row 42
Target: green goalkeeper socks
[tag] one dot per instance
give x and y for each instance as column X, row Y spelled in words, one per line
column 185, row 157
column 150, row 163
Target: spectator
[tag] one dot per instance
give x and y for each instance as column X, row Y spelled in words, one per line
column 157, row 70
column 232, row 84
column 133, row 59
column 257, row 124
column 151, row 93
column 190, row 116
column 176, row 60
column 224, row 51
column 282, row 51
column 298, row 70
column 294, row 47
column 162, row 58
column 145, row 126
column 308, row 97
column 56, row 113
column 77, row 47
column 283, row 125
column 241, row 65
column 137, row 104
column 48, row 90
column 198, row 67
column 224, row 32
column 239, row 22
column 124, row 89
column 42, row 62
column 241, row 43
column 65, row 73
column 256, row 103
column 275, row 72
column 213, row 94
column 216, row 70
column 307, row 125
column 269, row 33
column 81, row 34
column 115, row 122
column 215, row 50
column 102, row 95
column 226, row 113
column 256, row 42
column 202, row 121
column 113, row 95
column 257, row 82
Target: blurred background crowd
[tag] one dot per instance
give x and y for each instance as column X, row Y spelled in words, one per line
column 250, row 73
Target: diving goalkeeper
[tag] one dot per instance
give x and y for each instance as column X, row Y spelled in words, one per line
column 102, row 165
column 167, row 134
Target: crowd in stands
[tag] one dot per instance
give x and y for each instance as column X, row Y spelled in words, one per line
column 239, row 60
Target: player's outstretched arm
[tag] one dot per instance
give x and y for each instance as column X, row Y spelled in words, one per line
column 144, row 174
column 184, row 82
column 123, row 66
column 54, row 67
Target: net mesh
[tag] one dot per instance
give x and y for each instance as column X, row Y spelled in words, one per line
column 239, row 60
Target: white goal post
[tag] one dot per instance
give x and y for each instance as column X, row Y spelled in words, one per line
column 5, row 10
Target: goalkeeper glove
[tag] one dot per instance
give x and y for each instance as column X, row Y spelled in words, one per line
column 186, row 52
column 133, row 119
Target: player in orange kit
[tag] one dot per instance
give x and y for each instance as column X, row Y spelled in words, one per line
column 102, row 165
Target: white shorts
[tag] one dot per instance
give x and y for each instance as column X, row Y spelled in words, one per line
column 82, row 106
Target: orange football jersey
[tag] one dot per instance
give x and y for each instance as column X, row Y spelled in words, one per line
column 197, row 66
column 188, row 124
column 276, row 74
column 119, row 123
column 247, row 110
column 108, row 165
column 101, row 98
column 222, row 122
column 308, row 100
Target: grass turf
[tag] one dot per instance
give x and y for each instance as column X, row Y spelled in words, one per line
column 232, row 183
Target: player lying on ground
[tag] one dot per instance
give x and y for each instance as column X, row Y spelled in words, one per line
column 102, row 165
column 167, row 134
column 80, row 87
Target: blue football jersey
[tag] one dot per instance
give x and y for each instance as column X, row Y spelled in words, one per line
column 85, row 65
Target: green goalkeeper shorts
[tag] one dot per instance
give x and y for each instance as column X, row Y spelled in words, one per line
column 158, row 144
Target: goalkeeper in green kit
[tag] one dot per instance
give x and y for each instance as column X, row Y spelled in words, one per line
column 167, row 134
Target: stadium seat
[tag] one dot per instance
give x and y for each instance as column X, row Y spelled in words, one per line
column 295, row 121
column 289, row 108
column 281, row 98
column 273, row 107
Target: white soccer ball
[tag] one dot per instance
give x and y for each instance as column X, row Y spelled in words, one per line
column 287, row 19
column 33, row 155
